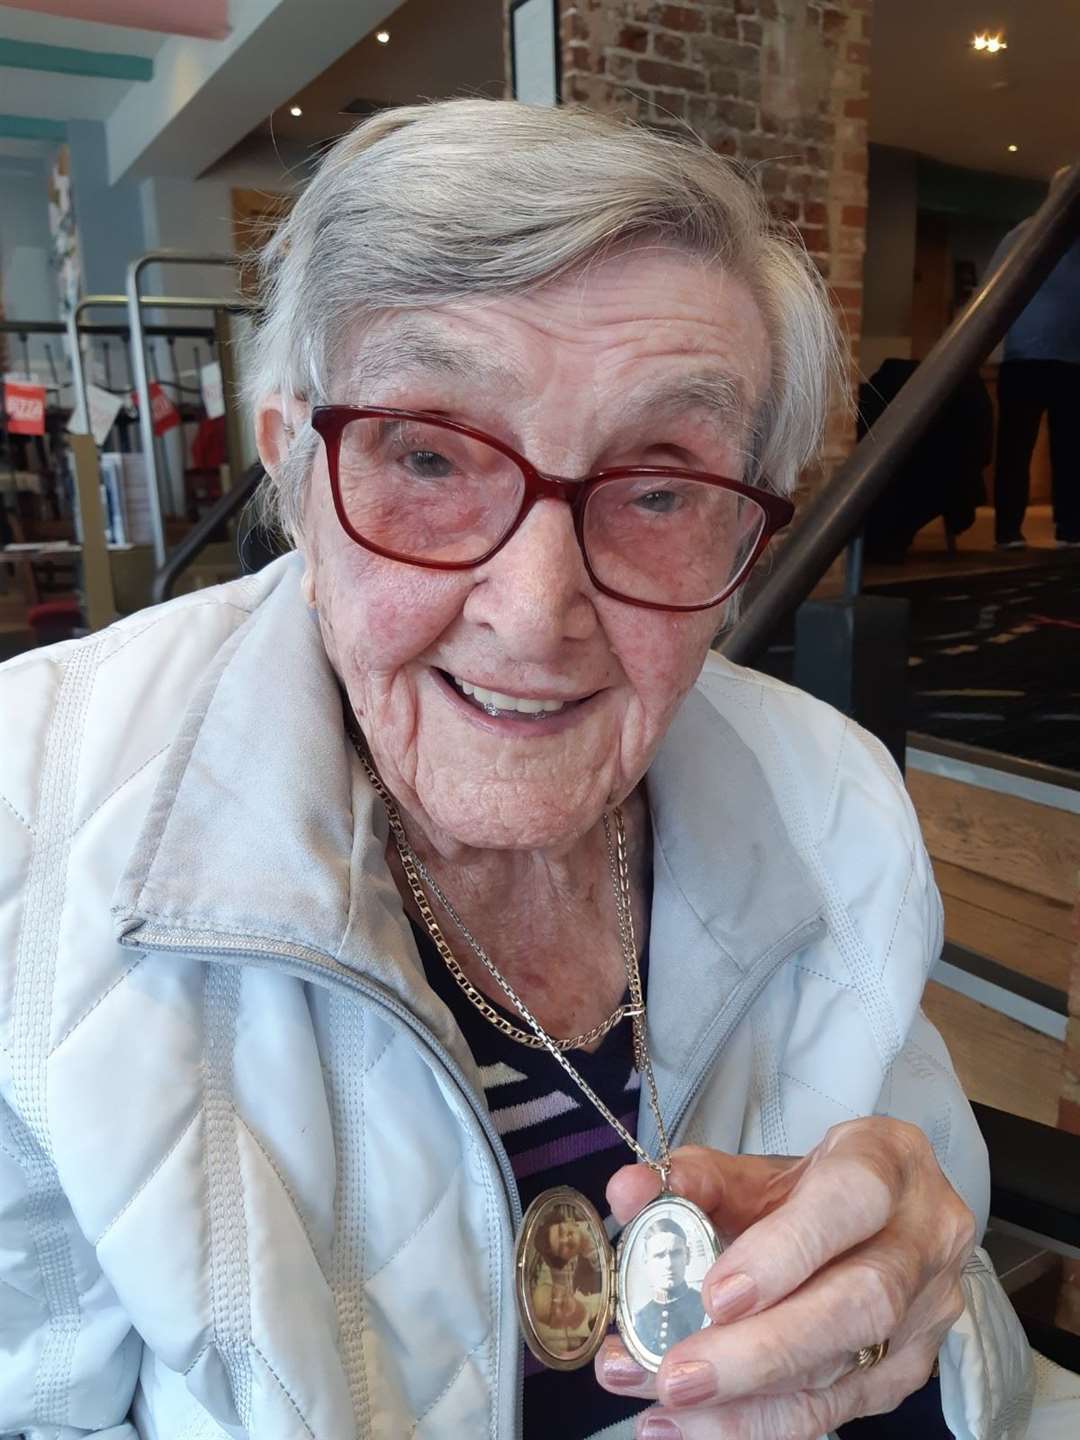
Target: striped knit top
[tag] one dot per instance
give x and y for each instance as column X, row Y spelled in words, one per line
column 553, row 1136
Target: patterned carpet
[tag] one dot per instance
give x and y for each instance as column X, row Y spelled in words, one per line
column 995, row 660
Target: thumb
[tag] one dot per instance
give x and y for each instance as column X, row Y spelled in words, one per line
column 734, row 1190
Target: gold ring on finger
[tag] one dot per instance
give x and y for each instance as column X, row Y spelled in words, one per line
column 871, row 1355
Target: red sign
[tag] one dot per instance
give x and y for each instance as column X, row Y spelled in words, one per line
column 24, row 406
column 164, row 412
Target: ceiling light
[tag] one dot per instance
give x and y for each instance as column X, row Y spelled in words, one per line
column 382, row 36
column 989, row 44
column 1013, row 149
column 295, row 110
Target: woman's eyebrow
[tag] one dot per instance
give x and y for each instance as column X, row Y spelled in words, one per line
column 718, row 392
column 418, row 348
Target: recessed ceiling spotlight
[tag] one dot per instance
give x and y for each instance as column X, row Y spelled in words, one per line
column 295, row 110
column 989, row 44
column 382, row 36
column 1013, row 149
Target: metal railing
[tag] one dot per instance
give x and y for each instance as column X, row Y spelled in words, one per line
column 837, row 511
column 135, row 303
column 197, row 539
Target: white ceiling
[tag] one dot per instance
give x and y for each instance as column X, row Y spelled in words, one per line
column 931, row 92
column 41, row 95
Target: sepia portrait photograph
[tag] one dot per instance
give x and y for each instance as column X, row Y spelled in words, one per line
column 565, row 1284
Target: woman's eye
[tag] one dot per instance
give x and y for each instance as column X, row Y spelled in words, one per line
column 658, row 502
column 427, row 464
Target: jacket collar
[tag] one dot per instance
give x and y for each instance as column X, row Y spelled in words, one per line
column 264, row 828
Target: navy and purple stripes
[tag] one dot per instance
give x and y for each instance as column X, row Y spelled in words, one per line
column 553, row 1136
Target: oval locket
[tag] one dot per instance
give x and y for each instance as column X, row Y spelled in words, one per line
column 570, row 1283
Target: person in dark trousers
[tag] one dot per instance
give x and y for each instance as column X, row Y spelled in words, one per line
column 1040, row 374
column 943, row 475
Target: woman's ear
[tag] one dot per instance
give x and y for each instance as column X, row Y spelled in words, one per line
column 277, row 418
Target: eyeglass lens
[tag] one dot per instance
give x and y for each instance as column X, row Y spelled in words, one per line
column 432, row 494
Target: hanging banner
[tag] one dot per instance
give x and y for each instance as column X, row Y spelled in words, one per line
column 24, row 407
column 213, row 391
column 164, row 412
column 104, row 408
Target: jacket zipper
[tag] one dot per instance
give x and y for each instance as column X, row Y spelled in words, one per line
column 307, row 962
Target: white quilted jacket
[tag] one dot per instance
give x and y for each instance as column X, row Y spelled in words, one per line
column 248, row 1182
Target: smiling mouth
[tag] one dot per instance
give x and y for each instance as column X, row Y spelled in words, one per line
column 496, row 703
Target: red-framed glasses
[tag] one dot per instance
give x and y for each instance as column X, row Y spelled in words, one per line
column 431, row 492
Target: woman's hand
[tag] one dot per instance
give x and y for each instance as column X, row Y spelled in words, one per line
column 862, row 1240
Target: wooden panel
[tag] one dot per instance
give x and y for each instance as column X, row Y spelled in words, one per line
column 999, row 1061
column 1024, row 932
column 1031, row 847
column 1050, row 916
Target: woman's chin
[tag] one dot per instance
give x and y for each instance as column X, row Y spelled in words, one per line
column 513, row 822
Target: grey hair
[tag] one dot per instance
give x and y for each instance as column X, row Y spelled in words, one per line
column 432, row 204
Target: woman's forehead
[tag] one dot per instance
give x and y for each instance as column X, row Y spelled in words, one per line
column 661, row 340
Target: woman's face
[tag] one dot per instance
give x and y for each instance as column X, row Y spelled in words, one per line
column 646, row 358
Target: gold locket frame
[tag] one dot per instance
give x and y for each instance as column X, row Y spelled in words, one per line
column 563, row 1204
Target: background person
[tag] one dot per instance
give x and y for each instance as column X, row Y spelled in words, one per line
column 1040, row 375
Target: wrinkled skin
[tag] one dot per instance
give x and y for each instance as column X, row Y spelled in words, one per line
column 862, row 1240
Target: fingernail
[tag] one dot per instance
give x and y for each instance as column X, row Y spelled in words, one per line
column 621, row 1370
column 689, row 1383
column 655, row 1427
column 733, row 1296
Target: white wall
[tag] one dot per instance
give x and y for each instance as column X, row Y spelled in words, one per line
column 27, row 280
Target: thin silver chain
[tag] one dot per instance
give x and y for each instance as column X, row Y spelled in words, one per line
column 417, row 875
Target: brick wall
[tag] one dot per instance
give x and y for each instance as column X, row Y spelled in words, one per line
column 780, row 84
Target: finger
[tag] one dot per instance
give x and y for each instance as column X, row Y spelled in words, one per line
column 803, row 1415
column 837, row 1202
column 809, row 1340
column 735, row 1190
column 618, row 1371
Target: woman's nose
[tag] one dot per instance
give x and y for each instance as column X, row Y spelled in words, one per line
column 536, row 593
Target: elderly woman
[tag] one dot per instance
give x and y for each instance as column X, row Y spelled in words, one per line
column 350, row 907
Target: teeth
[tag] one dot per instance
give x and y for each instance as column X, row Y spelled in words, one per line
column 496, row 700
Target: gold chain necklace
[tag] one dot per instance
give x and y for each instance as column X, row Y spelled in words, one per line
column 416, row 873
column 566, row 1333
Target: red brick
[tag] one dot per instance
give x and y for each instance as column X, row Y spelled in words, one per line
column 667, row 105
column 786, row 209
column 621, row 67
column 633, row 37
column 739, row 114
column 674, row 77
column 857, row 109
column 858, row 54
column 724, row 26
column 669, row 47
column 854, row 160
column 816, row 213
column 679, row 17
column 576, row 27
column 833, row 21
column 854, row 215
column 849, row 297
column 816, row 241
column 750, row 32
